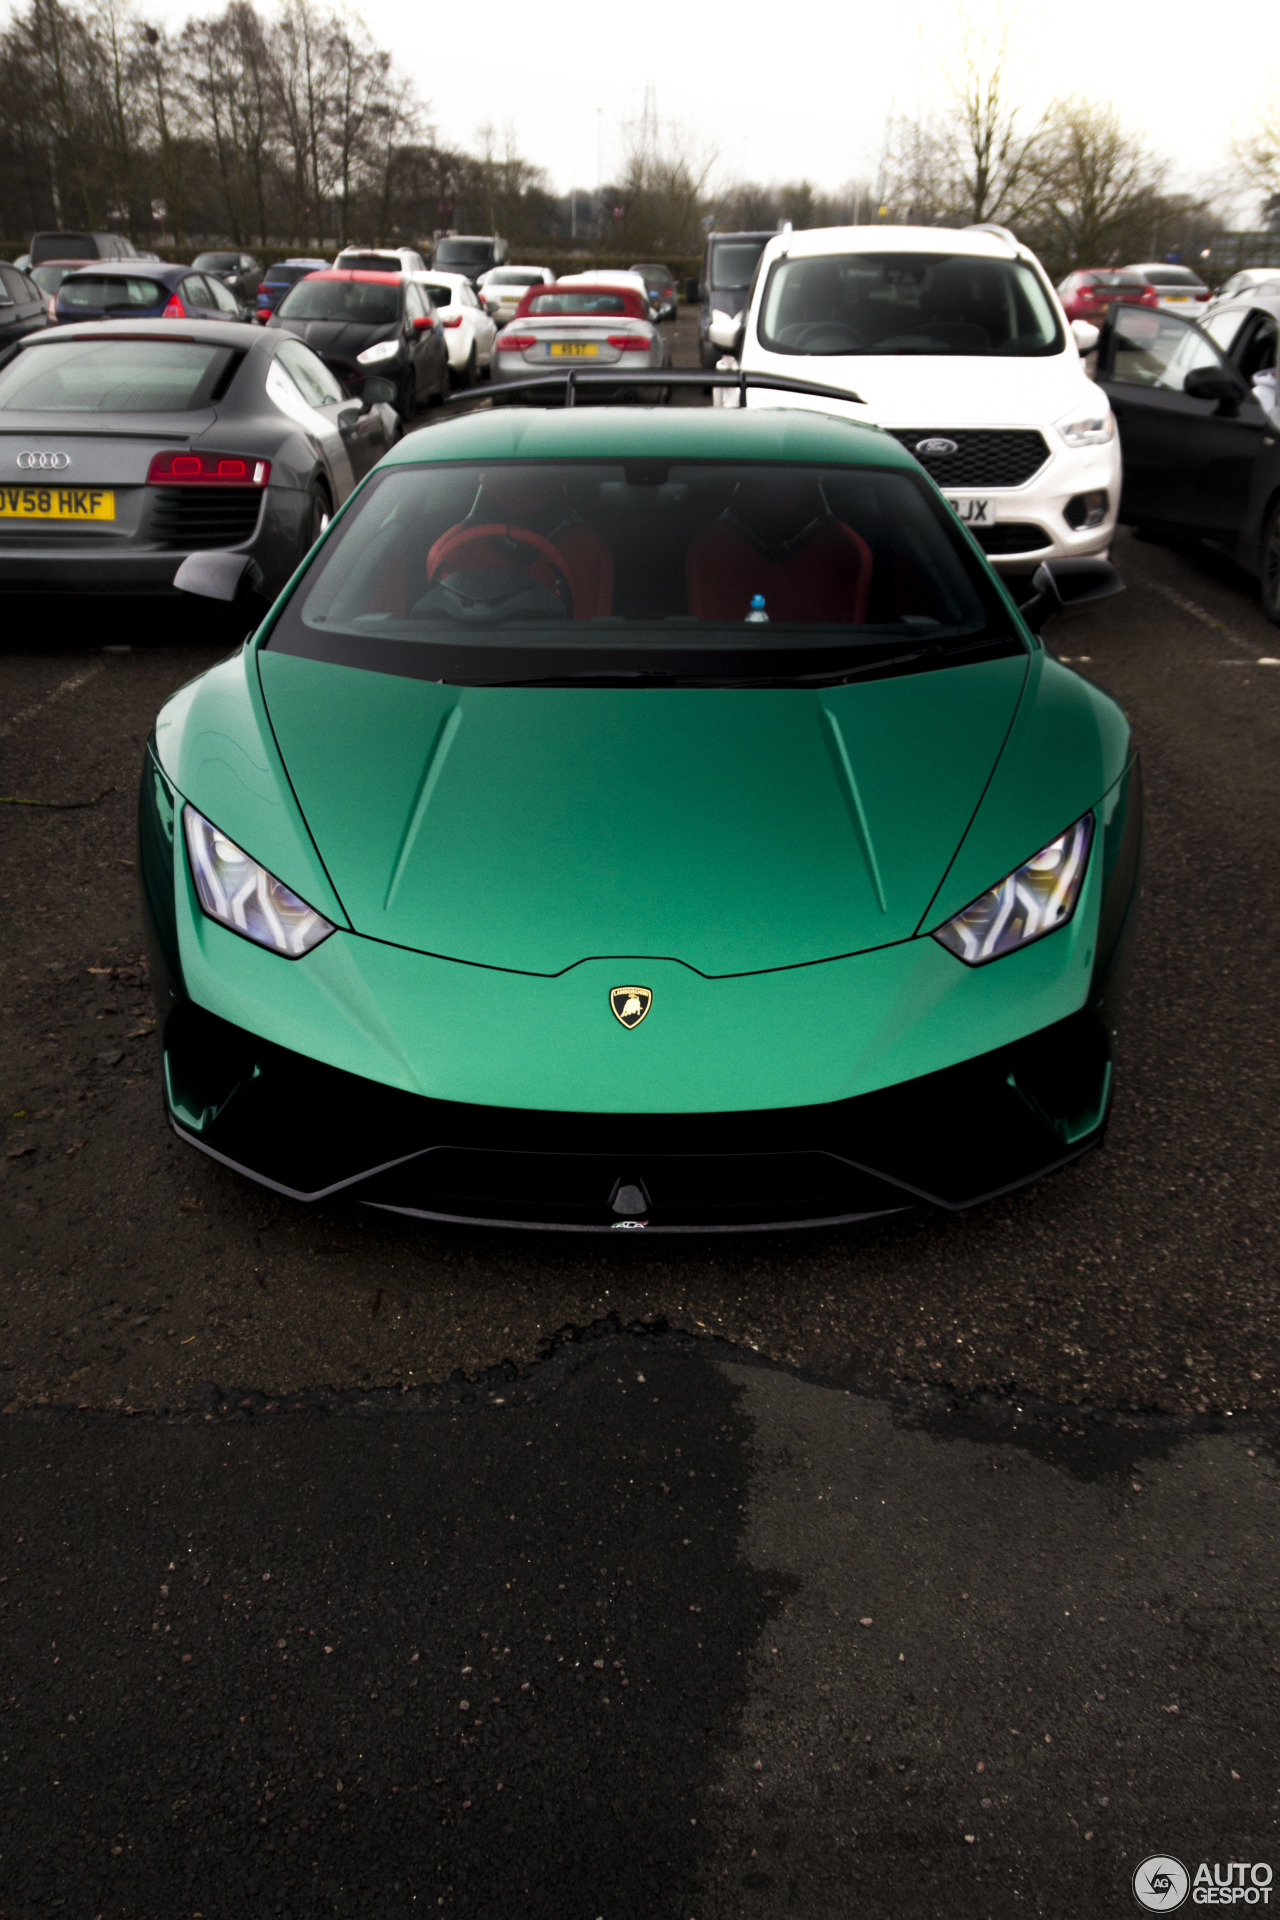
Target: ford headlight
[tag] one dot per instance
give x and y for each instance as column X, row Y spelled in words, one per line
column 1092, row 429
column 380, row 351
column 237, row 892
column 1035, row 899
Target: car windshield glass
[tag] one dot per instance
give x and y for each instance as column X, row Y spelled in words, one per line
column 110, row 293
column 217, row 262
column 651, row 569
column 733, row 262
column 442, row 295
column 49, row 279
column 1116, row 280
column 1173, row 277
column 370, row 262
column 903, row 303
column 543, row 304
column 654, row 275
column 463, row 253
column 513, row 277
column 371, row 303
column 287, row 276
column 111, row 376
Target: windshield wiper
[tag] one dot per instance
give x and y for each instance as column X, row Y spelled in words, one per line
column 650, row 676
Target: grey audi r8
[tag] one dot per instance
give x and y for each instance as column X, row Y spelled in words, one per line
column 125, row 448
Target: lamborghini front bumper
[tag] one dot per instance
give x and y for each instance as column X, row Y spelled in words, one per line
column 951, row 1138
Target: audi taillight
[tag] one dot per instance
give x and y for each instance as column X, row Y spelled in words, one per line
column 175, row 309
column 629, row 342
column 207, row 470
column 516, row 342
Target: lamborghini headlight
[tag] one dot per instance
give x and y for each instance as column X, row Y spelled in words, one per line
column 1035, row 899
column 1091, row 429
column 236, row 891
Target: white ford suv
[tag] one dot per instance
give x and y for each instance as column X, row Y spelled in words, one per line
column 956, row 343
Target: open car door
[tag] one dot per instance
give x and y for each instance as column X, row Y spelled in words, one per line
column 1191, row 432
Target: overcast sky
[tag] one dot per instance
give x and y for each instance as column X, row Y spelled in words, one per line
column 803, row 90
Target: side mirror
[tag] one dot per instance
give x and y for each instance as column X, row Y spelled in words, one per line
column 726, row 333
column 376, row 393
column 1214, row 383
column 1059, row 584
column 691, row 291
column 218, row 575
column 422, row 322
column 1085, row 336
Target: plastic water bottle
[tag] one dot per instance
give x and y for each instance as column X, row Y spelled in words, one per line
column 757, row 616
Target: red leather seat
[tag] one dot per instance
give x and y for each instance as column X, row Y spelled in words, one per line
column 827, row 579
column 513, row 505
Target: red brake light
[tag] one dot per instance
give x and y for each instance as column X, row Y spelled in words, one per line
column 175, row 309
column 629, row 342
column 207, row 470
column 516, row 342
column 452, row 320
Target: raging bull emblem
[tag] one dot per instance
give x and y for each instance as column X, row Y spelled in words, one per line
column 630, row 1004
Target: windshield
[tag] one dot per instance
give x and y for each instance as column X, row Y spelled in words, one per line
column 441, row 295
column 733, row 262
column 49, row 279
column 464, row 253
column 645, row 570
column 1173, row 277
column 110, row 293
column 1114, row 280
column 900, row 303
column 111, row 376
column 587, row 301
column 513, row 277
column 283, row 276
column 217, row 262
column 370, row 303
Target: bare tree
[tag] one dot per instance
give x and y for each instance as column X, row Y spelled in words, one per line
column 1096, row 192
column 1257, row 154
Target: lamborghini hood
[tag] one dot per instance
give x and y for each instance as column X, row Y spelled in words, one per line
column 735, row 831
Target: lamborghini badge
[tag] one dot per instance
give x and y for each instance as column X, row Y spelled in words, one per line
column 630, row 1004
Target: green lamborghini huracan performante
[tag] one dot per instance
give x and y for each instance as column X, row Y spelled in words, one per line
column 642, row 819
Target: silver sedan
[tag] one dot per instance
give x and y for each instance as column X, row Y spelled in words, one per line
column 578, row 326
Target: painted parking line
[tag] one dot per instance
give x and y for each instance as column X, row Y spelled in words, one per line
column 59, row 693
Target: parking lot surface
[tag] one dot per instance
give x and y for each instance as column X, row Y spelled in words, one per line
column 1034, row 1445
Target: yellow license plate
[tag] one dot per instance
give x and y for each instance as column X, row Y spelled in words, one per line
column 57, row 503
column 575, row 349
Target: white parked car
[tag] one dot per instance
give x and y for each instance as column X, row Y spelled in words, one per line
column 1247, row 279
column 468, row 330
column 502, row 288
column 1177, row 288
column 955, row 343
column 380, row 260
column 612, row 277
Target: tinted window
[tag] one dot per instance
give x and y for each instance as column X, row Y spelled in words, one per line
column 644, row 568
column 513, row 277
column 49, row 279
column 282, row 276
column 543, row 304
column 1155, row 349
column 733, row 262
column 13, row 287
column 1172, row 277
column 464, row 253
column 442, row 295
column 1115, row 280
column 370, row 262
column 311, row 376
column 110, row 293
column 111, row 376
column 217, row 262
column 64, row 246
column 372, row 303
column 905, row 303
column 223, row 299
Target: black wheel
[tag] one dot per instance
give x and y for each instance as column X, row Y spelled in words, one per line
column 467, row 378
column 407, row 398
column 708, row 354
column 1270, row 582
column 317, row 517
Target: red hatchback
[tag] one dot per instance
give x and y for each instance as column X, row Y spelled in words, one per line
column 1087, row 293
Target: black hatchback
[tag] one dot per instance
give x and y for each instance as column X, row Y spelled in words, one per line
column 371, row 323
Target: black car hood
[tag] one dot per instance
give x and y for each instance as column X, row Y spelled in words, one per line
column 339, row 339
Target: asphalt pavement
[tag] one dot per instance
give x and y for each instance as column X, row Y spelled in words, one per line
column 1033, row 1447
